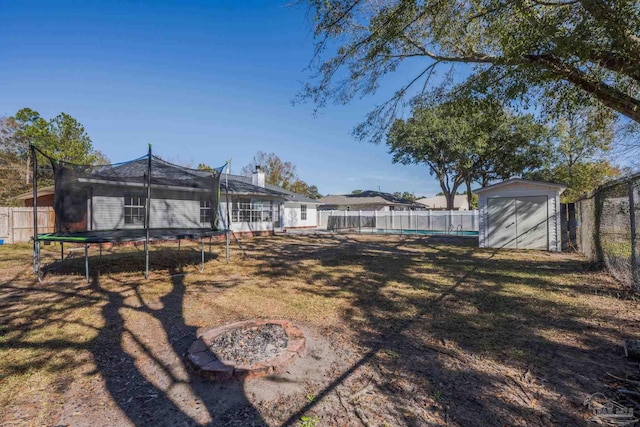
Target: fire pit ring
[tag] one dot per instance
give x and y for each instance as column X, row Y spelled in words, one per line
column 211, row 361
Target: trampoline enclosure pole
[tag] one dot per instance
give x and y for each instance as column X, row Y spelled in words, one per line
column 148, row 217
column 202, row 253
column 228, row 227
column 36, row 244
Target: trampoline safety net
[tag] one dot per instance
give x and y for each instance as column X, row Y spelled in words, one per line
column 98, row 198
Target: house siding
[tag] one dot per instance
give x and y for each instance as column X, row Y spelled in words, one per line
column 169, row 208
column 293, row 214
column 178, row 209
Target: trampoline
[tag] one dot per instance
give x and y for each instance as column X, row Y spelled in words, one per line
column 143, row 200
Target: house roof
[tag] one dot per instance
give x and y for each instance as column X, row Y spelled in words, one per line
column 236, row 184
column 243, row 181
column 369, row 198
column 520, row 181
column 440, row 202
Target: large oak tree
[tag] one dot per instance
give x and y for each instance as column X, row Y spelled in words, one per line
column 464, row 140
column 554, row 54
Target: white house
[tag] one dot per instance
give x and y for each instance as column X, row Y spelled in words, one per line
column 118, row 202
column 520, row 214
column 290, row 210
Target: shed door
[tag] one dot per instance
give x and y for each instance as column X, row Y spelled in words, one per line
column 531, row 222
column 519, row 222
column 501, row 215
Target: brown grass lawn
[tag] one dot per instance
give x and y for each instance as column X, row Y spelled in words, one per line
column 402, row 331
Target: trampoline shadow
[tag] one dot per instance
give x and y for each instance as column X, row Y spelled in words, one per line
column 129, row 260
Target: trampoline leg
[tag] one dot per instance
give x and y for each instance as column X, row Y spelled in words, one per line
column 86, row 262
column 202, row 254
column 61, row 251
column 36, row 259
column 101, row 251
column 210, row 245
column 178, row 245
column 227, row 246
column 146, row 268
column 38, row 268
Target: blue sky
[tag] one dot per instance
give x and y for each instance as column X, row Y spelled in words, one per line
column 202, row 81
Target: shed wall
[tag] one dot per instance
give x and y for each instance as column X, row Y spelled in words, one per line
column 523, row 190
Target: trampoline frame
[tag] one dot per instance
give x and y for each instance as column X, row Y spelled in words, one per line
column 115, row 236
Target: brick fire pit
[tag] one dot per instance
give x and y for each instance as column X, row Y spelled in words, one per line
column 247, row 349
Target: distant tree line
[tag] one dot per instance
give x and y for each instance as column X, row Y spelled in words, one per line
column 62, row 137
column 280, row 173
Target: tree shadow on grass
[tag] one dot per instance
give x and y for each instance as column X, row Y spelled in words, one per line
column 136, row 341
column 128, row 259
column 459, row 335
column 146, row 367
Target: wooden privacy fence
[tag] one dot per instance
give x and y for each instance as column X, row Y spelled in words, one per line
column 16, row 224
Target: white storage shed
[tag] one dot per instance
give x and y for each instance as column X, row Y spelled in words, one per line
column 520, row 214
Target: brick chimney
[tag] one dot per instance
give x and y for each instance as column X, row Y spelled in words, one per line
column 257, row 178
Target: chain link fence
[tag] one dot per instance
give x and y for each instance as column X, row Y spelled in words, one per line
column 607, row 231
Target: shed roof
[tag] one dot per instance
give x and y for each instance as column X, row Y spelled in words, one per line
column 522, row 182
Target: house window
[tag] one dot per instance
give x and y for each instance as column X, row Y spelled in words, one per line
column 205, row 211
column 303, row 212
column 241, row 211
column 247, row 210
column 134, row 210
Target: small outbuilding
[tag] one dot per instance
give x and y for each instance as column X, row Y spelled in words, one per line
column 520, row 214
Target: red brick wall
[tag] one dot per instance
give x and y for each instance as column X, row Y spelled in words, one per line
column 43, row 201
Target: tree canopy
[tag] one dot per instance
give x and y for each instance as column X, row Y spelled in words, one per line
column 554, row 55
column 579, row 156
column 63, row 138
column 465, row 140
column 280, row 173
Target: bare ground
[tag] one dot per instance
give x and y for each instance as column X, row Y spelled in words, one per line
column 401, row 331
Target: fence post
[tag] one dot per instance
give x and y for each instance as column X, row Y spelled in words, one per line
column 392, row 224
column 10, row 231
column 634, row 242
column 410, row 220
column 451, row 220
column 375, row 221
column 359, row 221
